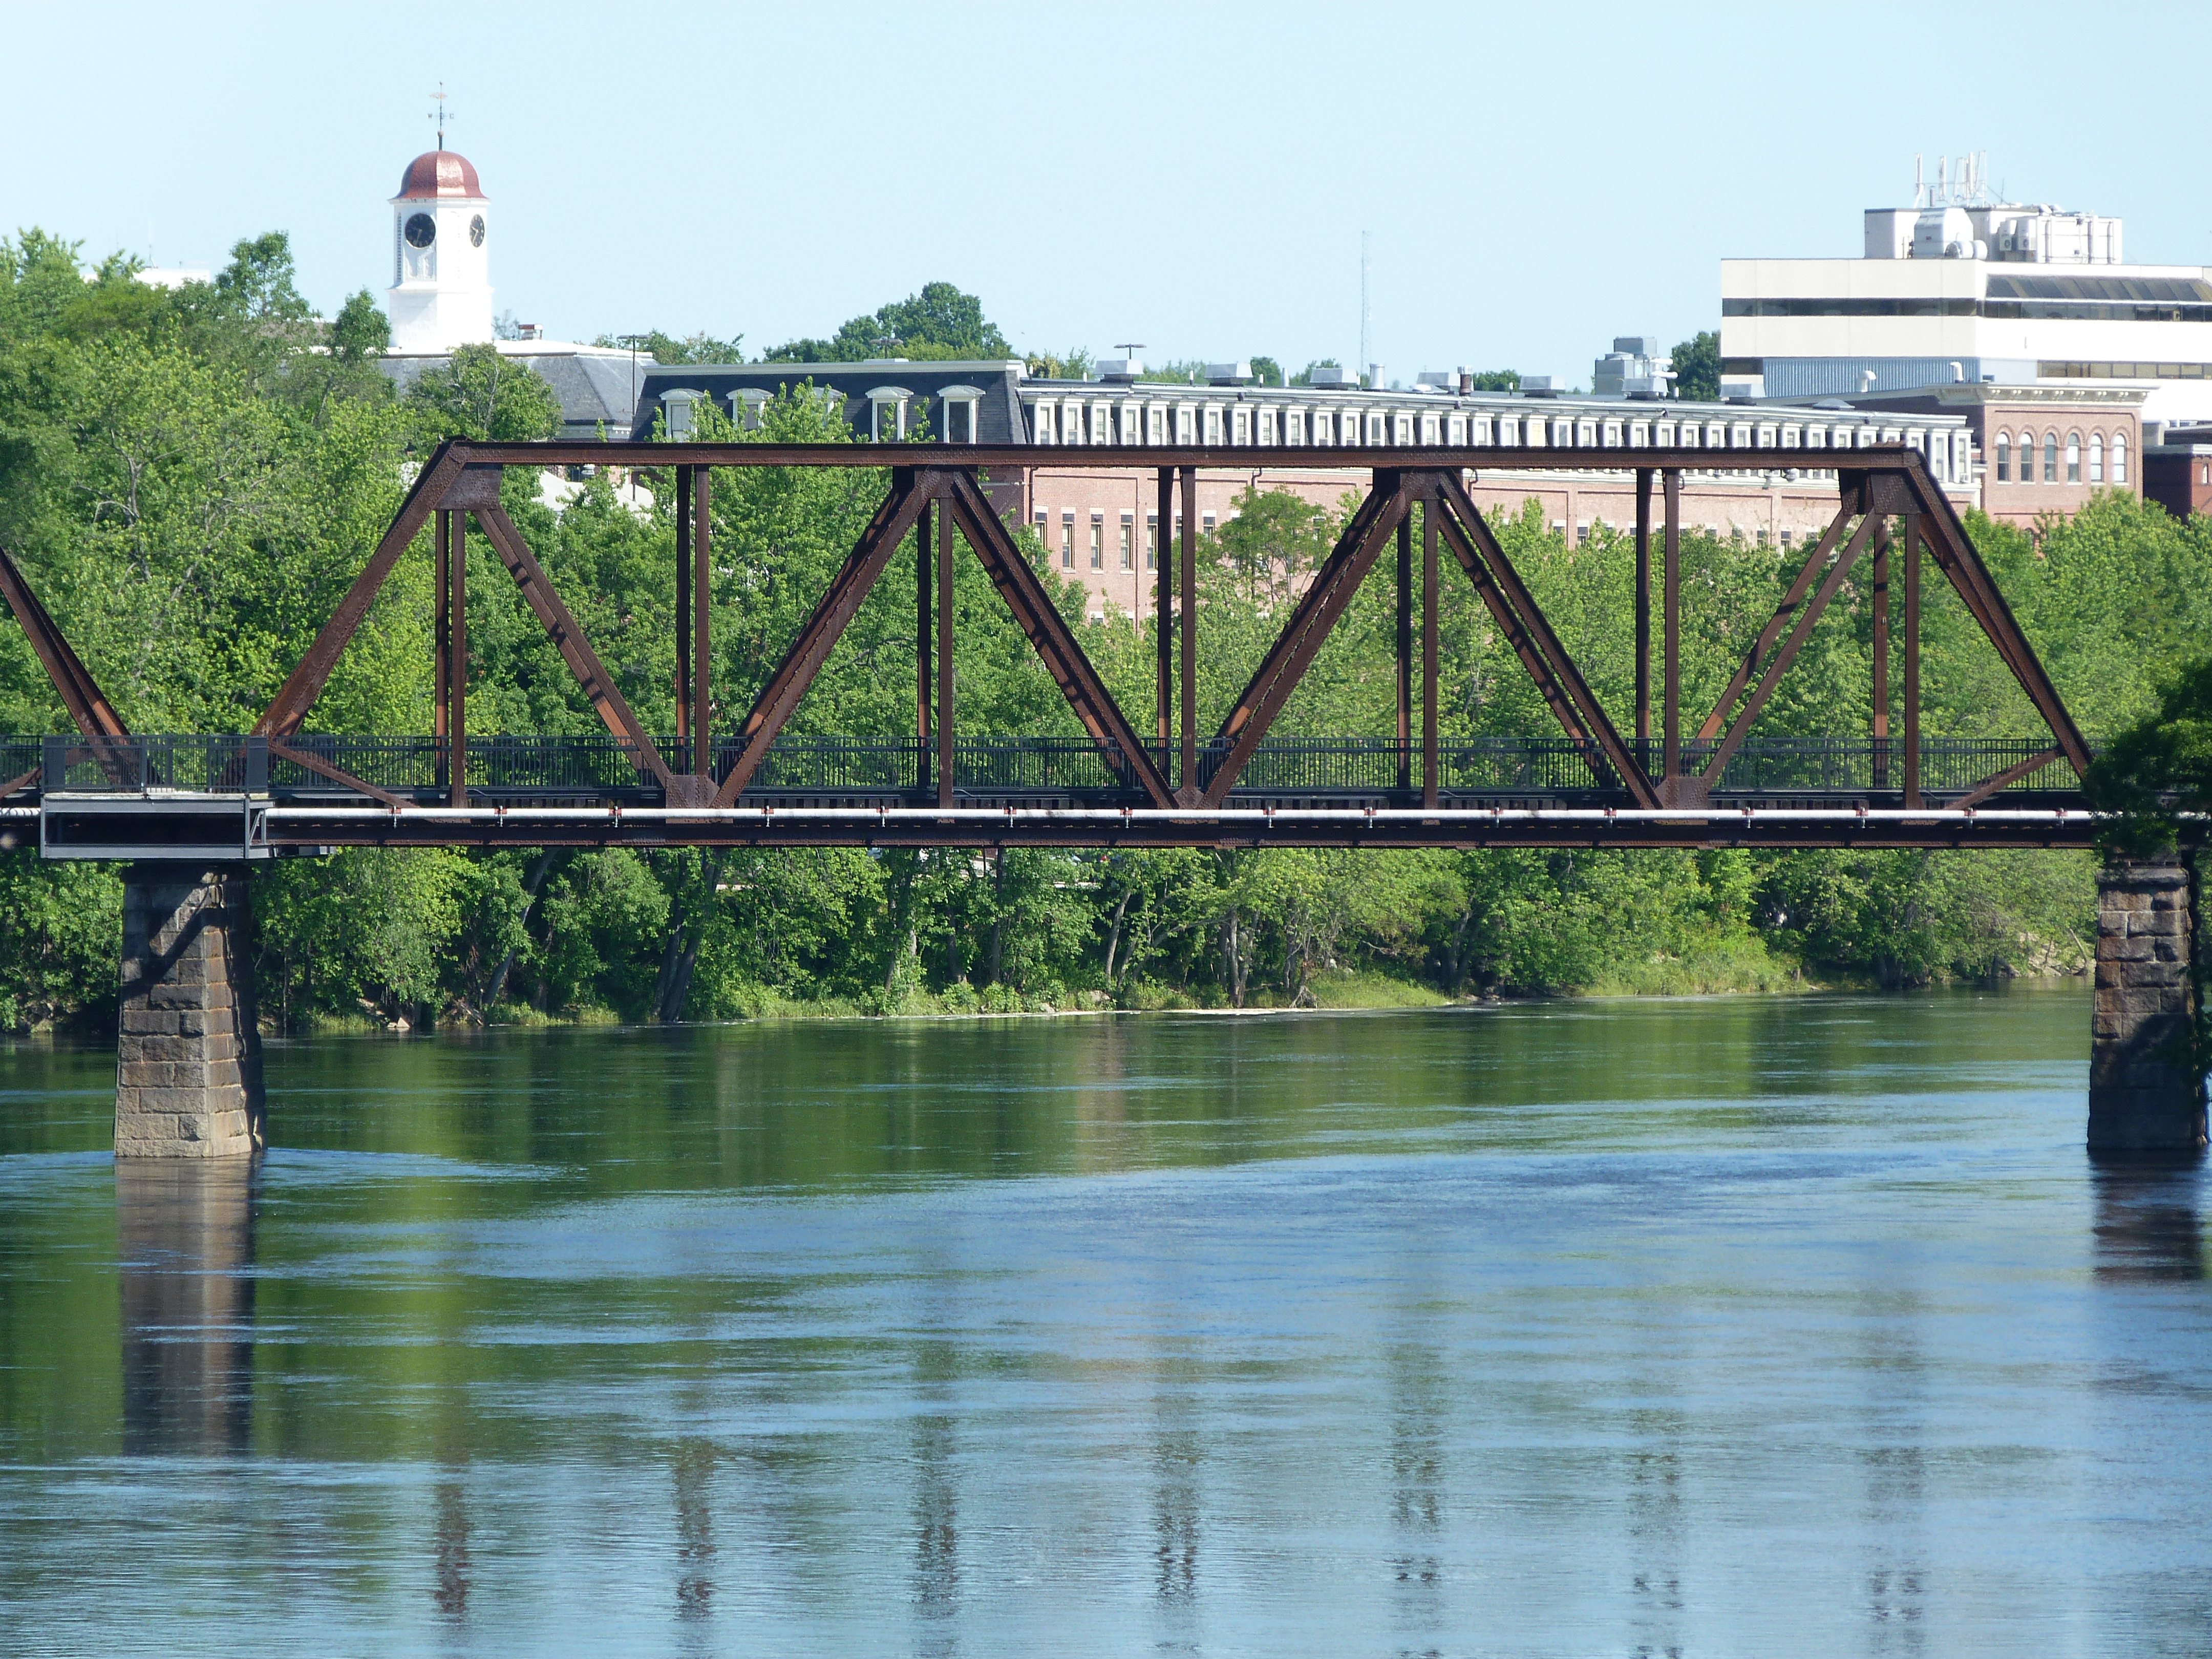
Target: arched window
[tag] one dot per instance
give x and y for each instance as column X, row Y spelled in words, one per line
column 2119, row 457
column 2073, row 457
column 2004, row 458
column 2096, row 457
column 2051, row 458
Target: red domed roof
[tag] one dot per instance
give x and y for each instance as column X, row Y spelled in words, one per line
column 439, row 173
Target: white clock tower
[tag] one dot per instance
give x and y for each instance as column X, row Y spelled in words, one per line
column 440, row 292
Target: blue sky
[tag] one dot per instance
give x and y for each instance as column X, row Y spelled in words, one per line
column 1535, row 179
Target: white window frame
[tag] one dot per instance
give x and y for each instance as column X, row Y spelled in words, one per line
column 897, row 398
column 970, row 397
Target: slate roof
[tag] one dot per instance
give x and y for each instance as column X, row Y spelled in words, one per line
column 998, row 416
column 594, row 389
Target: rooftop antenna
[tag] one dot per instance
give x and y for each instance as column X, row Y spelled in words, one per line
column 633, row 341
column 1919, row 188
column 438, row 98
column 1360, row 367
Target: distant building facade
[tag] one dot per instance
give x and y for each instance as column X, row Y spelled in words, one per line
column 1962, row 289
column 2177, row 470
column 2041, row 449
column 1100, row 526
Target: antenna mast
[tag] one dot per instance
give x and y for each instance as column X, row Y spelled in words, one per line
column 1359, row 368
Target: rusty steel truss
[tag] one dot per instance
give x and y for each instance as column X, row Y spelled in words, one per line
column 1177, row 785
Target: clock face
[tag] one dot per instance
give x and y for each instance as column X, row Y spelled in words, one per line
column 421, row 230
column 476, row 231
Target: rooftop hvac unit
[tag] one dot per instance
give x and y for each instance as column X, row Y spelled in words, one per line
column 1228, row 373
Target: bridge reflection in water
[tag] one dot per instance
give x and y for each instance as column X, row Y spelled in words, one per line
column 185, row 1239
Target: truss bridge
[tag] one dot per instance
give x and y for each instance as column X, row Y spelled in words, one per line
column 1678, row 777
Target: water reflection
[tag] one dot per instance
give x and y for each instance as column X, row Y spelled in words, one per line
column 1175, row 1453
column 2149, row 1224
column 1417, row 1439
column 449, row 1587
column 185, row 1233
column 693, row 1474
column 1628, row 1330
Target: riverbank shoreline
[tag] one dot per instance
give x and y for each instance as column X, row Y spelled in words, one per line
column 1362, row 992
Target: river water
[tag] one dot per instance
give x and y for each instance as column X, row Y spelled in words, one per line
column 1751, row 1326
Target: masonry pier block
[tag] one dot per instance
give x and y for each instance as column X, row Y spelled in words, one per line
column 2146, row 1093
column 188, row 1053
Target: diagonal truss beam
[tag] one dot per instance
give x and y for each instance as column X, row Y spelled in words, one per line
column 909, row 498
column 337, row 774
column 1953, row 551
column 1317, row 612
column 583, row 662
column 1048, row 636
column 1546, row 661
column 1780, row 663
column 1754, row 658
column 1997, row 782
column 88, row 706
column 289, row 709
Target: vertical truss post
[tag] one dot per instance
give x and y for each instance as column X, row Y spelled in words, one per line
column 1912, row 660
column 1881, row 654
column 457, row 671
column 944, row 763
column 1164, row 614
column 1643, row 612
column 1406, row 652
column 682, row 603
column 703, row 657
column 1188, row 581
column 1670, row 633
column 1428, row 647
column 441, row 562
column 925, row 669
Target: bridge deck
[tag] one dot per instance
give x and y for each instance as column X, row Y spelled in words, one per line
column 141, row 793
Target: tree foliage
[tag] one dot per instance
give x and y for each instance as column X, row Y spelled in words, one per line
column 939, row 322
column 1697, row 367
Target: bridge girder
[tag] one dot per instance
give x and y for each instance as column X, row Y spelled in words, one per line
column 461, row 483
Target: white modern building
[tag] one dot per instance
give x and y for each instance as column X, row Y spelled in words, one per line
column 1960, row 289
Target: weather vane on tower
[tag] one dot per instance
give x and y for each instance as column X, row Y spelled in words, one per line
column 438, row 97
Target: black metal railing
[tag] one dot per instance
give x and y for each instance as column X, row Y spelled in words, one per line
column 598, row 767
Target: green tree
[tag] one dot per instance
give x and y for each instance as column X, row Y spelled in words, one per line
column 479, row 394
column 1696, row 366
column 938, row 322
column 2156, row 775
column 360, row 333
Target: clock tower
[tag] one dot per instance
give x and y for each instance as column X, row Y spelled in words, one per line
column 440, row 292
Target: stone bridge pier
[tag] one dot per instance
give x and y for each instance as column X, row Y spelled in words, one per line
column 2146, row 1082
column 188, row 1051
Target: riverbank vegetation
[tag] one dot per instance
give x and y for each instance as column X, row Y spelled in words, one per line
column 190, row 479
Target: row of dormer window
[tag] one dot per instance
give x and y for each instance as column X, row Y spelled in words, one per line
column 1101, row 421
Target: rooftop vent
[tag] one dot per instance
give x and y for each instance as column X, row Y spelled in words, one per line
column 1120, row 368
column 1239, row 373
column 1538, row 386
column 1335, row 374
